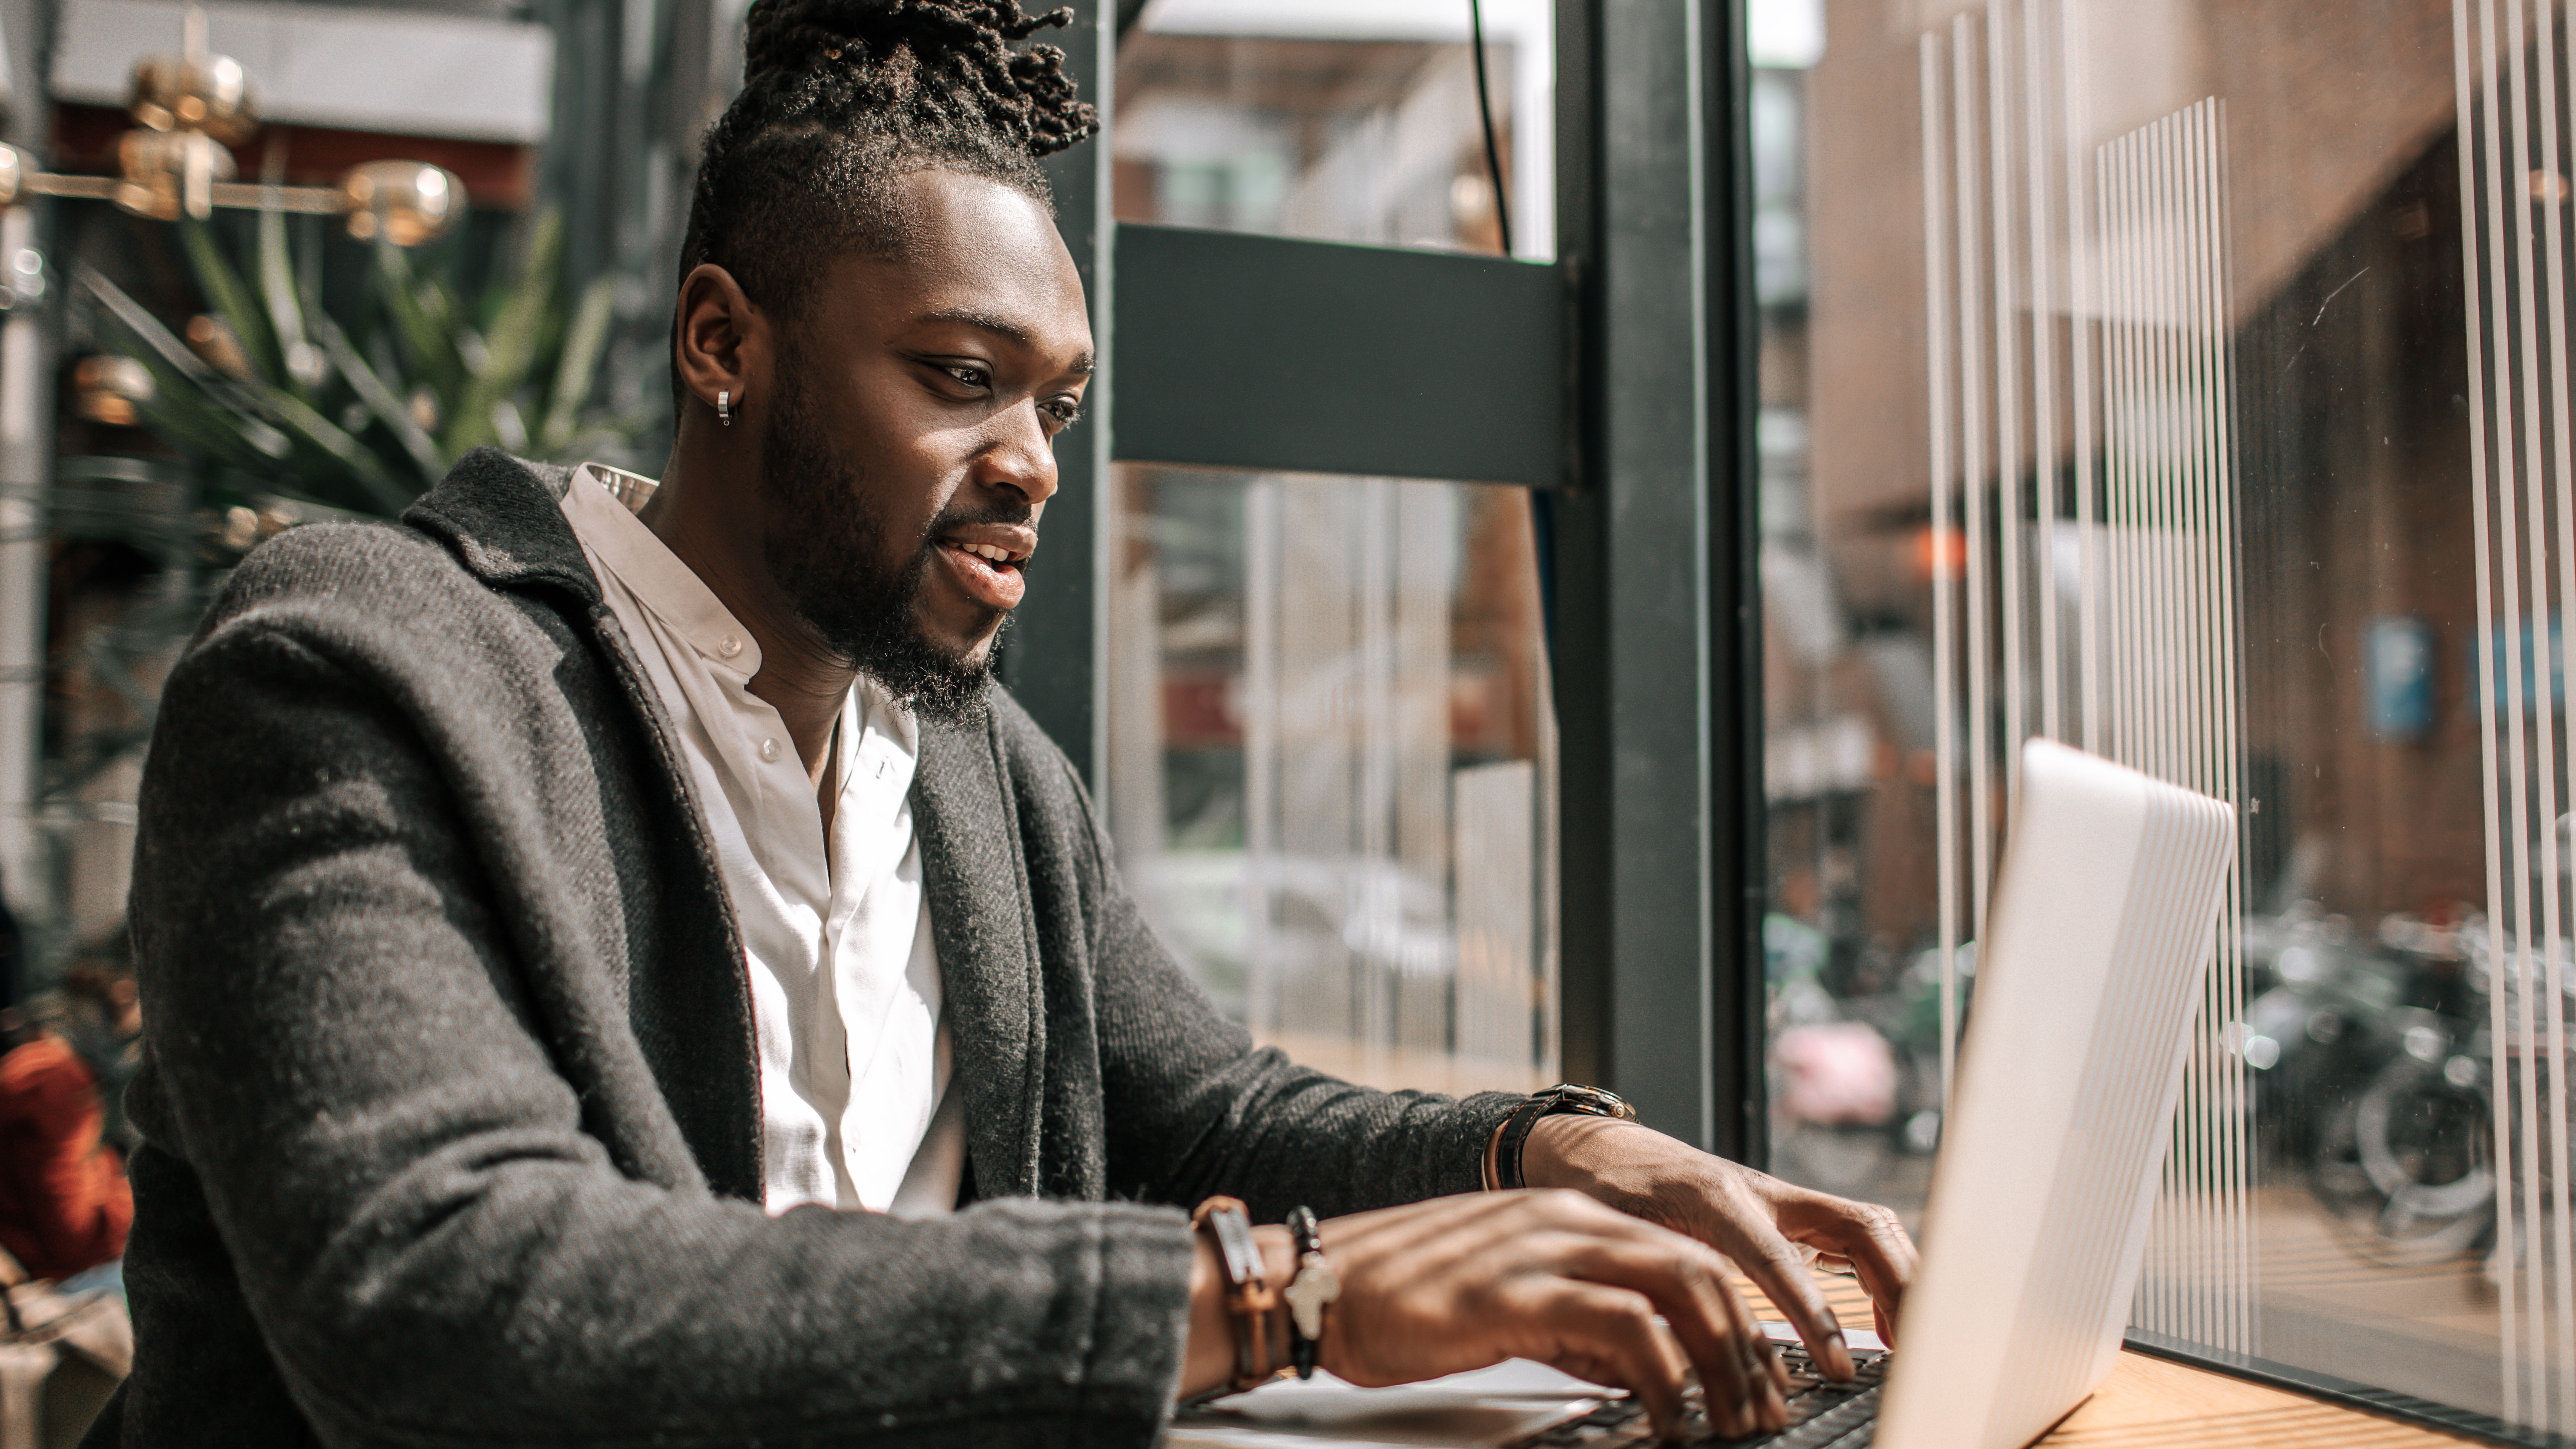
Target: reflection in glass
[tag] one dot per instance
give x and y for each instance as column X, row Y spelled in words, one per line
column 1325, row 783
column 2189, row 382
column 1329, row 762
column 1336, row 120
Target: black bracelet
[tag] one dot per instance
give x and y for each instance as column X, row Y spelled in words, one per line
column 1516, row 1131
column 1315, row 1285
column 1563, row 1097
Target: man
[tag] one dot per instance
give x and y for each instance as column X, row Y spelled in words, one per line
column 529, row 897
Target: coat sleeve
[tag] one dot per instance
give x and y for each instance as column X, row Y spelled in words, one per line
column 342, row 1050
column 1193, row 1108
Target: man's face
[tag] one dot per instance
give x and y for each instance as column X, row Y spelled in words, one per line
column 909, row 448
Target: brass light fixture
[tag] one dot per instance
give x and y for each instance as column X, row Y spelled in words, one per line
column 111, row 389
column 189, row 111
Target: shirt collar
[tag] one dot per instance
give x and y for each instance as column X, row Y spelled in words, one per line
column 657, row 578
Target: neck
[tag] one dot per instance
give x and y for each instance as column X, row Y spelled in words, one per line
column 708, row 510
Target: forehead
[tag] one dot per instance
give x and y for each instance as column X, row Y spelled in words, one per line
column 969, row 245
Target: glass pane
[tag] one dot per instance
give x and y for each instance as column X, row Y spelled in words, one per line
column 1340, row 120
column 2189, row 383
column 1329, row 765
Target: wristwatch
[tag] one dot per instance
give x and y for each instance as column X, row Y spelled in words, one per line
column 1548, row 1102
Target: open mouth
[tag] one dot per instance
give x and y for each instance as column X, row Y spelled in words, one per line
column 990, row 568
column 991, row 555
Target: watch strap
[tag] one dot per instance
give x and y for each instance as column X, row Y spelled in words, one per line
column 1563, row 1097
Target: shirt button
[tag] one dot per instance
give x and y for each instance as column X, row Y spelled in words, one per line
column 769, row 751
column 729, row 646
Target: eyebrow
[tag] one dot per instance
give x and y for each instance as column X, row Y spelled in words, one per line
column 1001, row 327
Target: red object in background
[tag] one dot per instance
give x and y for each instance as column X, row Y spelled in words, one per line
column 64, row 1202
column 1939, row 553
column 1198, row 712
column 1839, row 1073
column 495, row 173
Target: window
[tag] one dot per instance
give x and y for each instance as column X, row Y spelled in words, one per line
column 2190, row 383
column 1328, row 743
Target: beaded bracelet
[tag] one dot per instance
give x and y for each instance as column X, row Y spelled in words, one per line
column 1314, row 1285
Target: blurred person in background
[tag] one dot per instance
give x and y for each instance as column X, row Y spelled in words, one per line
column 64, row 1202
column 620, row 970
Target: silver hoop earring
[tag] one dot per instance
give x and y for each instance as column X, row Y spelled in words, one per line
column 724, row 408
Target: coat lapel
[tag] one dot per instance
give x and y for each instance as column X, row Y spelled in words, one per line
column 976, row 886
column 687, row 996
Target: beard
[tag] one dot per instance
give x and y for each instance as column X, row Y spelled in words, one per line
column 832, row 557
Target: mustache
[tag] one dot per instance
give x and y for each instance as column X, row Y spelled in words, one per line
column 950, row 519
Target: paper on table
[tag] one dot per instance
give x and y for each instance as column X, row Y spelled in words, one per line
column 1489, row 1406
column 1497, row 1405
column 1858, row 1339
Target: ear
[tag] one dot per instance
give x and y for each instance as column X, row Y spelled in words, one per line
column 725, row 343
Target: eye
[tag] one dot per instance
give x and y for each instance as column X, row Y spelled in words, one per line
column 974, row 377
column 1066, row 411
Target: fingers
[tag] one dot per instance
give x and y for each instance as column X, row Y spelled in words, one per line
column 1565, row 1280
column 1454, row 1284
column 1871, row 1238
column 1614, row 1329
column 1686, row 1282
column 1780, row 1271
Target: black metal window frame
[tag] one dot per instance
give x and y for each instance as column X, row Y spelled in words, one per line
column 1619, row 381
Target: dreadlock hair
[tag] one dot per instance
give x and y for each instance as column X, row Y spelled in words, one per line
column 841, row 99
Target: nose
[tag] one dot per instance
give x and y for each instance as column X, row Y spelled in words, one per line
column 1023, row 459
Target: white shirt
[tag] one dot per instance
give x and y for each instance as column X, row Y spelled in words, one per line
column 845, row 990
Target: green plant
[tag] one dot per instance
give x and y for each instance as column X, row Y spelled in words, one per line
column 268, row 396
column 281, row 412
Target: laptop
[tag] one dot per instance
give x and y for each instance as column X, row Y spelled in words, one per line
column 2098, row 940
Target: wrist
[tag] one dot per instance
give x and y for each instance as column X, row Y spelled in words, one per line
column 1566, row 1150
column 1208, row 1359
column 1279, row 1265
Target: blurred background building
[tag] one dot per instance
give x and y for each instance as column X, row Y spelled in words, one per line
column 2187, row 380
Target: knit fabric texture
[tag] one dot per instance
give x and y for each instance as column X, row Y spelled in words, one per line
column 451, row 1118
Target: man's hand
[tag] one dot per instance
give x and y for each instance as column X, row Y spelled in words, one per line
column 1459, row 1283
column 1768, row 1228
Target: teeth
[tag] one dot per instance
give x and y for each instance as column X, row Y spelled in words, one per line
column 987, row 551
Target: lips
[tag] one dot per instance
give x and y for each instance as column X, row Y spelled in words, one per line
column 987, row 559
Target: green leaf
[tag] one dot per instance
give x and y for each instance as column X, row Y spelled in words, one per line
column 381, row 400
column 145, row 326
column 178, row 372
column 511, row 351
column 231, row 300
column 432, row 347
column 207, row 428
column 577, row 370
column 277, row 286
column 376, row 485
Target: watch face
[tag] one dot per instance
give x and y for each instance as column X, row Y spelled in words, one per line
column 1590, row 1101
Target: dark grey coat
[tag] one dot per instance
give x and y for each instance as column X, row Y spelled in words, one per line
column 452, row 1114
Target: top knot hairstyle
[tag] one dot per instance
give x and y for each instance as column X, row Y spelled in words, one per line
column 843, row 98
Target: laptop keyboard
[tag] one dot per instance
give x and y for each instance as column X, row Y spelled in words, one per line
column 1823, row 1414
